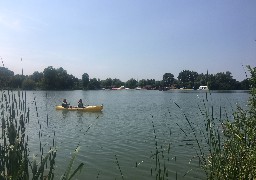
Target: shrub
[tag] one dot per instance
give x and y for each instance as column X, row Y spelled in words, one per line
column 234, row 156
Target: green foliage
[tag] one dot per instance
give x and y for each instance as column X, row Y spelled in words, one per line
column 117, row 83
column 168, row 79
column 15, row 160
column 107, row 84
column 143, row 83
column 245, row 84
column 85, row 80
column 14, row 153
column 67, row 175
column 37, row 76
column 131, row 83
column 28, row 84
column 16, row 81
column 161, row 157
column 5, row 76
column 232, row 155
column 223, row 81
column 227, row 148
column 94, row 84
column 59, row 79
column 49, row 77
column 149, row 84
column 187, row 78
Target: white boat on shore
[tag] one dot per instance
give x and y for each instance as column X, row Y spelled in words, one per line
column 203, row 88
column 122, row 87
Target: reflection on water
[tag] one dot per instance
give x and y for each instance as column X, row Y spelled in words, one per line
column 129, row 127
column 80, row 115
column 64, row 114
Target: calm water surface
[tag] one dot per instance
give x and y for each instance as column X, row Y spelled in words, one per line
column 127, row 132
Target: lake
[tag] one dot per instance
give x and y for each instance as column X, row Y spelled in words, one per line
column 124, row 137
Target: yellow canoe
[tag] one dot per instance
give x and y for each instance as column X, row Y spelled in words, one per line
column 85, row 109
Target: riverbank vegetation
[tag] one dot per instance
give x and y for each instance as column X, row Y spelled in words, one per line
column 226, row 148
column 16, row 159
column 58, row 79
column 234, row 155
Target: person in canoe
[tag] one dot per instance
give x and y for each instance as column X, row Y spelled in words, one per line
column 80, row 104
column 65, row 104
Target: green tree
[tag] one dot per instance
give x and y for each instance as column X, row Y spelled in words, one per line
column 63, row 80
column 58, row 79
column 85, row 80
column 117, row 83
column 158, row 84
column 5, row 77
column 94, row 84
column 234, row 156
column 37, row 77
column 131, row 83
column 70, row 82
column 151, row 82
column 28, row 84
column 222, row 81
column 187, row 78
column 49, row 77
column 245, row 84
column 147, row 84
column 201, row 80
column 16, row 81
column 142, row 83
column 168, row 79
column 108, row 83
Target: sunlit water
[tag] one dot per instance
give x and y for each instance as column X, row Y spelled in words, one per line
column 124, row 135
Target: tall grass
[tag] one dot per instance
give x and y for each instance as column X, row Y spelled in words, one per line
column 14, row 149
column 226, row 148
column 237, row 157
column 162, row 157
column 16, row 161
column 232, row 147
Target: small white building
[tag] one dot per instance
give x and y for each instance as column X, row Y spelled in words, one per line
column 203, row 88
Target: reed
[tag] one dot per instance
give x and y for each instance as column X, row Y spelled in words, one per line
column 14, row 150
column 161, row 157
column 232, row 149
column 226, row 148
column 67, row 175
column 237, row 158
column 15, row 157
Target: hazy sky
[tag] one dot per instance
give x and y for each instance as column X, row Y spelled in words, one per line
column 141, row 39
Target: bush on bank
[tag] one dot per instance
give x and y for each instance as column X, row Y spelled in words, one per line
column 232, row 152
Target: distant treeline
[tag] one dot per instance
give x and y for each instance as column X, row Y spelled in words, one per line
column 59, row 79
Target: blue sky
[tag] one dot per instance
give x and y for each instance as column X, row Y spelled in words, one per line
column 141, row 39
